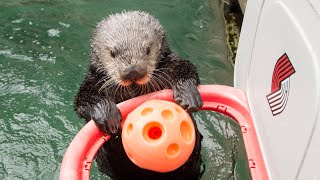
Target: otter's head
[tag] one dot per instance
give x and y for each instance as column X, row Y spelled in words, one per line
column 126, row 46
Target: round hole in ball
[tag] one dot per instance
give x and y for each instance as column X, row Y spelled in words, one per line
column 146, row 111
column 152, row 132
column 129, row 129
column 173, row 149
column 167, row 114
column 186, row 131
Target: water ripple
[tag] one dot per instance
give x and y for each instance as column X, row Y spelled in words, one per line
column 9, row 54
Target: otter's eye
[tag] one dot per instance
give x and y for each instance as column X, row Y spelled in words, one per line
column 113, row 54
column 148, row 50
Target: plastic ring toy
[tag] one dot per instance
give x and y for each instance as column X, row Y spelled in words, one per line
column 230, row 101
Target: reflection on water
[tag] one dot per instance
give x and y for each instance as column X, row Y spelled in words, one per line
column 44, row 48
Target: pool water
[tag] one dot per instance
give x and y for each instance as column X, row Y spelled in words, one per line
column 44, row 50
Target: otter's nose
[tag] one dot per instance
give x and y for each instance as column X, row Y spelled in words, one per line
column 133, row 73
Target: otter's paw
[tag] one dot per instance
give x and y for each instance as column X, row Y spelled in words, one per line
column 187, row 95
column 107, row 117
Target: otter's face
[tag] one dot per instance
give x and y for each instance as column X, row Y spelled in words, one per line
column 128, row 64
column 127, row 47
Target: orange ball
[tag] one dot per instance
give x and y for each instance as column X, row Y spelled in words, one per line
column 159, row 136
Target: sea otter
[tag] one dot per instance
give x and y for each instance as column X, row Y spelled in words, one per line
column 130, row 56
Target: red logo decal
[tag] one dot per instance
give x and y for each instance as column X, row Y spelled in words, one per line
column 280, row 86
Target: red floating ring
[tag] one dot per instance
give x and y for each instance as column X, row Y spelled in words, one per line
column 230, row 101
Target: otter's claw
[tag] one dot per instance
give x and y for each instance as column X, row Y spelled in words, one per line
column 107, row 117
column 188, row 96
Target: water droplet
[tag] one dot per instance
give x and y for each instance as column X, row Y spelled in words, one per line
column 53, row 32
column 18, row 20
column 64, row 24
column 47, row 58
column 16, row 29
